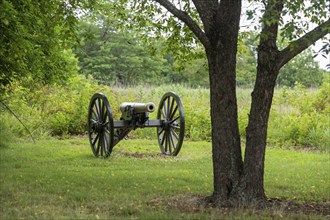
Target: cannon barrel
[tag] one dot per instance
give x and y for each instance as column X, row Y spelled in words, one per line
column 138, row 107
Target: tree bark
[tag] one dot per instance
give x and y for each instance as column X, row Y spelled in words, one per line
column 251, row 186
column 226, row 147
column 250, row 189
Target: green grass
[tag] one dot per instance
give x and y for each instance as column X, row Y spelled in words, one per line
column 61, row 179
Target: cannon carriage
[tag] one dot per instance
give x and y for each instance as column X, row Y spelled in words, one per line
column 104, row 132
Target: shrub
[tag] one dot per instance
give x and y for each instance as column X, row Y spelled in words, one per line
column 298, row 116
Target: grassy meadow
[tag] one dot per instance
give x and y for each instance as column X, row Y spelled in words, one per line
column 61, row 179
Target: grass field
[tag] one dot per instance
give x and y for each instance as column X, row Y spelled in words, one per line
column 61, row 179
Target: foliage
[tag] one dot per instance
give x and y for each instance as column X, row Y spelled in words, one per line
column 61, row 179
column 52, row 109
column 302, row 69
column 118, row 57
column 35, row 36
column 299, row 117
column 246, row 60
column 7, row 126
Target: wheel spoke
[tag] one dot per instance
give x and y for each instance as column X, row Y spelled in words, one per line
column 101, row 144
column 161, row 131
column 168, row 107
column 171, row 107
column 163, row 139
column 93, row 121
column 104, row 112
column 172, row 141
column 175, row 126
column 94, row 110
column 175, row 134
column 97, row 106
column 101, row 108
column 173, row 120
column 166, row 141
column 169, row 142
column 91, row 124
column 98, row 147
column 173, row 113
column 106, row 130
column 105, row 143
column 106, row 123
column 165, row 110
column 162, row 112
column 95, row 139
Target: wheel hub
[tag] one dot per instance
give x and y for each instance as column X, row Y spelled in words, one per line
column 98, row 127
column 166, row 125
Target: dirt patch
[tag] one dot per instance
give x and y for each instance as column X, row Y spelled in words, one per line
column 275, row 207
column 308, row 208
column 143, row 155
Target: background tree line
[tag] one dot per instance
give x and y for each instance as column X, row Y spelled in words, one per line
column 117, row 56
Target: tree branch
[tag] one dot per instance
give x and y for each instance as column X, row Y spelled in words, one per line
column 13, row 113
column 270, row 20
column 299, row 45
column 206, row 10
column 183, row 16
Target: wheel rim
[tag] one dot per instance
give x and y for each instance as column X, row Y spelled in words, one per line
column 100, row 126
column 171, row 134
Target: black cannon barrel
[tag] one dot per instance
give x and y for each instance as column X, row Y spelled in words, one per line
column 138, row 107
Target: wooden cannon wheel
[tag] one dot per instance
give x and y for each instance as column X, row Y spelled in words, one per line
column 100, row 126
column 171, row 133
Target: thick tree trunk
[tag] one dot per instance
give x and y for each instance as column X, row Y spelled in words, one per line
column 251, row 187
column 226, row 147
column 250, row 190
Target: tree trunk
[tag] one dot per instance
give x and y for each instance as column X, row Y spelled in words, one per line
column 226, row 147
column 251, row 187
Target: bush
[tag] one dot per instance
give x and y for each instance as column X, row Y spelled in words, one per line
column 298, row 117
column 7, row 125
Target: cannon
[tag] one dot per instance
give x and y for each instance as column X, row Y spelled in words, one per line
column 104, row 132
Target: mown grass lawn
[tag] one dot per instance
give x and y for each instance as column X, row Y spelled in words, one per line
column 61, row 179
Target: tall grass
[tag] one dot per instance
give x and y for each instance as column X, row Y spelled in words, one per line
column 299, row 117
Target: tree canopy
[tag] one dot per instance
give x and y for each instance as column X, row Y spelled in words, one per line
column 36, row 39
